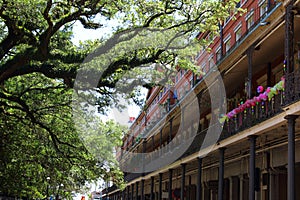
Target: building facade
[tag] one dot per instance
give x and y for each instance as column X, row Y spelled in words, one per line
column 257, row 153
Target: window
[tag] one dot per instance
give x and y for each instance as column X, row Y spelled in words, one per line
column 165, row 89
column 250, row 22
column 263, row 7
column 227, row 43
column 238, row 32
column 250, row 19
column 218, row 54
column 211, row 62
column 203, row 67
column 227, row 46
column 191, row 81
column 181, row 72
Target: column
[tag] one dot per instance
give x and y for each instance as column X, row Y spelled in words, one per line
column 183, row 168
column 241, row 186
column 137, row 190
column 221, row 174
column 188, row 193
column 160, row 142
column 170, row 146
column 252, row 140
column 289, row 38
column 160, row 186
column 289, row 53
column 153, row 143
column 152, row 188
column 199, row 177
column 221, row 40
column 170, row 183
column 250, row 65
column 143, row 156
column 231, row 188
column 143, row 189
column 132, row 191
column 291, row 156
column 128, row 192
column 269, row 74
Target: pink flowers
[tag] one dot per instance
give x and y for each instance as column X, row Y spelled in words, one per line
column 263, row 96
column 260, row 89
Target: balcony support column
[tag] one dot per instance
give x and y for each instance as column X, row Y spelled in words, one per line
column 221, row 174
column 170, row 183
column 160, row 187
column 143, row 156
column 269, row 75
column 221, row 41
column 289, row 38
column 289, row 52
column 199, row 180
column 183, row 169
column 171, row 130
column 137, row 190
column 252, row 140
column 291, row 156
column 153, row 143
column 143, row 189
column 160, row 138
column 250, row 66
column 132, row 191
column 152, row 188
column 128, row 192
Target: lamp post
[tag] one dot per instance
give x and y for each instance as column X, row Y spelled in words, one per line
column 47, row 179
